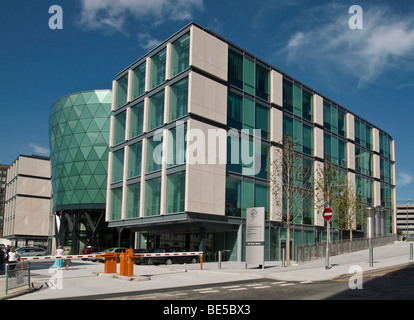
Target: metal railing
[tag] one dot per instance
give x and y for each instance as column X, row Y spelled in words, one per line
column 308, row 252
column 17, row 275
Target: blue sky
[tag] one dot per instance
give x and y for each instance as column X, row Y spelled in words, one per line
column 369, row 71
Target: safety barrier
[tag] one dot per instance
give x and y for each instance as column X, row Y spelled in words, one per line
column 126, row 259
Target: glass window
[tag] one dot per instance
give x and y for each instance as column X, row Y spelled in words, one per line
column 262, row 82
column 154, row 153
column 116, row 204
column 120, row 121
column 326, row 115
column 341, row 123
column 236, row 69
column 180, row 55
column 248, row 115
column 156, row 111
column 307, row 105
column 158, row 68
column 264, row 162
column 138, row 81
column 288, row 95
column 178, row 99
column 262, row 120
column 247, row 196
column 342, row 153
column 233, row 153
column 137, row 120
column 261, row 198
column 177, row 145
column 118, row 165
column 133, row 200
column 357, row 124
column 307, row 139
column 233, row 197
column 297, row 100
column 135, row 160
column 235, row 111
column 288, row 126
column 249, row 78
column 152, row 197
column 175, row 192
column 121, row 91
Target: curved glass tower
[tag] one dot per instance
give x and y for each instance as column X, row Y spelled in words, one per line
column 79, row 144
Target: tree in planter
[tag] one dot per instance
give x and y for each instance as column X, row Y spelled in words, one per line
column 292, row 186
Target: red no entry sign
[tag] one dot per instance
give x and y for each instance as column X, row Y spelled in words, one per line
column 327, row 214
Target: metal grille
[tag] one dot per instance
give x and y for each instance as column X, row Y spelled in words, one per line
column 17, row 275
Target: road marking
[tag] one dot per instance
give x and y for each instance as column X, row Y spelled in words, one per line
column 203, row 289
column 253, row 284
column 287, row 284
column 209, row 291
column 303, row 282
column 280, row 282
column 230, row 287
column 261, row 287
column 237, row 289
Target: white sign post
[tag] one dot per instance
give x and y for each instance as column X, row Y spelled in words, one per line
column 327, row 215
column 255, row 236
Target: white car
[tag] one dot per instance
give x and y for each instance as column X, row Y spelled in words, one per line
column 30, row 251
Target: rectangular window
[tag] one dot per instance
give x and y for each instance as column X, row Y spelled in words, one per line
column 156, row 111
column 297, row 100
column 120, row 121
column 152, row 197
column 249, row 78
column 175, row 192
column 307, row 105
column 262, row 82
column 261, row 198
column 138, row 81
column 288, row 95
column 248, row 115
column 154, row 153
column 233, row 197
column 307, row 139
column 135, row 160
column 177, row 145
column 235, row 69
column 235, row 111
column 247, row 196
column 158, row 68
column 178, row 99
column 341, row 123
column 262, row 120
column 137, row 120
column 180, row 55
column 133, row 200
column 342, row 153
column 121, row 91
column 326, row 115
column 118, row 165
column 116, row 204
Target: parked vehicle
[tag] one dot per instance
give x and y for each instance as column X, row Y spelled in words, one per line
column 88, row 250
column 117, row 250
column 172, row 259
column 30, row 251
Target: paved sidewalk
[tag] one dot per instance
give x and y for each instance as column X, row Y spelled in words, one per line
column 88, row 279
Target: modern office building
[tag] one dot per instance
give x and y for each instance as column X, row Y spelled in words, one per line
column 28, row 200
column 3, row 180
column 175, row 179
column 405, row 218
column 79, row 144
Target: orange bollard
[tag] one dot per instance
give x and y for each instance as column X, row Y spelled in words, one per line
column 201, row 262
column 110, row 262
column 126, row 267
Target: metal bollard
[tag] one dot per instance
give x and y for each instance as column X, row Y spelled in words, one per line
column 371, row 257
column 283, row 257
column 411, row 251
column 219, row 259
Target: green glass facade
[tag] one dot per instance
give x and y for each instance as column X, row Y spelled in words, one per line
column 79, row 144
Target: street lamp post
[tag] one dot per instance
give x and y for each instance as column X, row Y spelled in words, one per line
column 406, row 222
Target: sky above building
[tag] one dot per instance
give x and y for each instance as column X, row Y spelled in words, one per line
column 363, row 60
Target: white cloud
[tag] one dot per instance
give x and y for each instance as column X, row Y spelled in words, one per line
column 39, row 150
column 404, row 179
column 147, row 42
column 386, row 42
column 113, row 14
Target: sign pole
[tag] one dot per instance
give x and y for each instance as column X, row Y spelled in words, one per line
column 328, row 233
column 327, row 215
